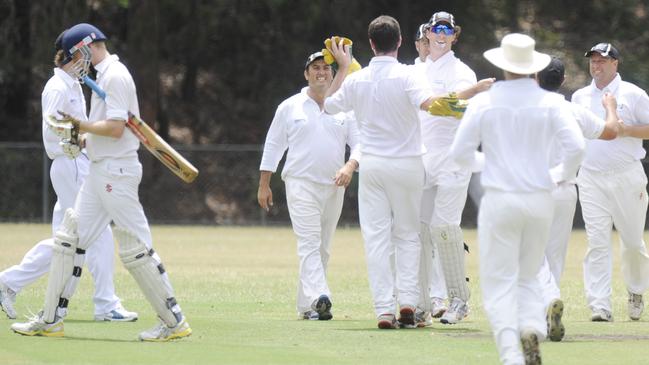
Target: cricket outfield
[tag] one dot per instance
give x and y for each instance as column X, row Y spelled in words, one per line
column 237, row 287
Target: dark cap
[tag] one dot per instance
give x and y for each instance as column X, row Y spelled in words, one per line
column 312, row 58
column 421, row 31
column 551, row 77
column 604, row 49
column 442, row 17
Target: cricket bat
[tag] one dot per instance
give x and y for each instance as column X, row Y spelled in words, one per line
column 173, row 160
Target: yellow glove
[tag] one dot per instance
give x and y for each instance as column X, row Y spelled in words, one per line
column 448, row 106
column 329, row 57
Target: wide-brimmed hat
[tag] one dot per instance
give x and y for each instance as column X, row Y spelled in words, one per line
column 516, row 54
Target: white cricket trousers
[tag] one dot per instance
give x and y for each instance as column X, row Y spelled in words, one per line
column 389, row 201
column 314, row 209
column 442, row 204
column 111, row 193
column 67, row 175
column 564, row 197
column 513, row 231
column 614, row 198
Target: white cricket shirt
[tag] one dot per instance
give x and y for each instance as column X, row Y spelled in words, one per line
column 121, row 97
column 61, row 92
column 315, row 140
column 447, row 74
column 632, row 108
column 385, row 97
column 516, row 122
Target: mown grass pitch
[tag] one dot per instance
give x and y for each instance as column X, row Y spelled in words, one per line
column 237, row 288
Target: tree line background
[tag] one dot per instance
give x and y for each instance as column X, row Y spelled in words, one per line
column 212, row 73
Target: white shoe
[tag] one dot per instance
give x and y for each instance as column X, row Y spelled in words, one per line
column 556, row 329
column 162, row 332
column 531, row 350
column 118, row 314
column 601, row 315
column 309, row 315
column 438, row 307
column 456, row 312
column 423, row 319
column 7, row 300
column 387, row 321
column 36, row 326
column 635, row 306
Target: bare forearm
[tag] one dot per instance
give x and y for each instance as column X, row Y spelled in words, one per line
column 264, row 178
column 637, row 131
column 107, row 128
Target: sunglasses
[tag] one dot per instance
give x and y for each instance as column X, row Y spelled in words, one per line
column 441, row 28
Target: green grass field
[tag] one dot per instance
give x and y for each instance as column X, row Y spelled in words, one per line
column 237, row 288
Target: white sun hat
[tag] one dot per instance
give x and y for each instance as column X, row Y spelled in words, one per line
column 516, row 54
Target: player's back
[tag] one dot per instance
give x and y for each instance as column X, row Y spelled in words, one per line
column 518, row 122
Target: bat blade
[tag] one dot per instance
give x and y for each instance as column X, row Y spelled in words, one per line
column 162, row 150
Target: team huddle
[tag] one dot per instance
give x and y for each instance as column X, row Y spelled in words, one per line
column 416, row 144
column 415, row 161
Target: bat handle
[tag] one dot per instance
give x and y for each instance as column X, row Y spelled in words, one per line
column 93, row 85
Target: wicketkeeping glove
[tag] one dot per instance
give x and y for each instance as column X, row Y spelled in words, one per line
column 66, row 127
column 70, row 149
column 448, row 106
column 329, row 57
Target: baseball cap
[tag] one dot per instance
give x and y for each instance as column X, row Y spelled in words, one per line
column 442, row 16
column 421, row 31
column 312, row 58
column 605, row 49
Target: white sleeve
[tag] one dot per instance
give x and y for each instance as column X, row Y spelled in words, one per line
column 276, row 141
column 571, row 140
column 641, row 108
column 417, row 88
column 591, row 125
column 353, row 138
column 118, row 90
column 340, row 101
column 467, row 138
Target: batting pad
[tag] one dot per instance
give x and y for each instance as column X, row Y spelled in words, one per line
column 147, row 270
column 425, row 267
column 62, row 265
column 450, row 243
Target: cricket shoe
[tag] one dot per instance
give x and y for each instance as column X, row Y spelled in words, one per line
column 309, row 316
column 387, row 321
column 423, row 319
column 163, row 333
column 456, row 312
column 407, row 316
column 118, row 314
column 556, row 329
column 322, row 306
column 635, row 306
column 601, row 315
column 439, row 307
column 7, row 300
column 36, row 326
column 531, row 350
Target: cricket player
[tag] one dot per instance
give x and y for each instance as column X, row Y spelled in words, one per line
column 385, row 97
column 315, row 176
column 564, row 194
column 110, row 192
column 516, row 123
column 612, row 190
column 446, row 186
column 67, row 173
column 421, row 44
